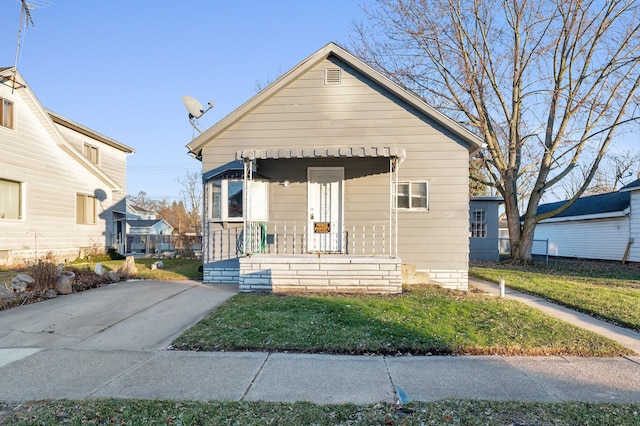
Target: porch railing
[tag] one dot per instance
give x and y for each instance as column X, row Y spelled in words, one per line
column 293, row 238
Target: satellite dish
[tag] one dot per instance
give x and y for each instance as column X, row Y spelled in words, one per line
column 193, row 106
column 195, row 110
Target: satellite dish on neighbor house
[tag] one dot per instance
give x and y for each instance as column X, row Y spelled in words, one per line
column 195, row 110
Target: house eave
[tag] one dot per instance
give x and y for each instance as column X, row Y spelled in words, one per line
column 606, row 215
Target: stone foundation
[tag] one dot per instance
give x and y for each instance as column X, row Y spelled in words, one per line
column 325, row 273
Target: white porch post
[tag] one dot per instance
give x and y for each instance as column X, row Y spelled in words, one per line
column 246, row 205
column 393, row 206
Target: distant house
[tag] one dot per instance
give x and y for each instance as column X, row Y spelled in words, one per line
column 62, row 185
column 137, row 212
column 604, row 226
column 145, row 236
column 334, row 178
column 483, row 228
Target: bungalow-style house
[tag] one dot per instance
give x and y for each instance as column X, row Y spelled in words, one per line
column 484, row 240
column 62, row 185
column 148, row 235
column 334, row 178
column 603, row 226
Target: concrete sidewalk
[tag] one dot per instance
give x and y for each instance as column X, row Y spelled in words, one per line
column 111, row 342
column 624, row 336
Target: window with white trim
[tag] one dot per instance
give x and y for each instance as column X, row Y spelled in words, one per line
column 86, row 209
column 6, row 113
column 91, row 153
column 479, row 224
column 227, row 200
column 10, row 199
column 413, row 195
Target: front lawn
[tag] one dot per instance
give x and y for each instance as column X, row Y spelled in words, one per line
column 423, row 320
column 605, row 290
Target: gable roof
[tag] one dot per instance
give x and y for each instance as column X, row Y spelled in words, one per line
column 332, row 49
column 49, row 119
column 595, row 206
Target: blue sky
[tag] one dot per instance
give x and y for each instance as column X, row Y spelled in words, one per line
column 120, row 67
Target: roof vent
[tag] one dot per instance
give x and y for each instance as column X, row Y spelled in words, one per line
column 332, row 76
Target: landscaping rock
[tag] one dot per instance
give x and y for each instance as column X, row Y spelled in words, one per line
column 21, row 282
column 157, row 265
column 128, row 268
column 50, row 294
column 113, row 276
column 99, row 269
column 64, row 282
column 169, row 254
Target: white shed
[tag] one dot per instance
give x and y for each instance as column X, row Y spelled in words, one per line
column 601, row 226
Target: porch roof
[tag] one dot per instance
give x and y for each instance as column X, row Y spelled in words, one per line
column 322, row 152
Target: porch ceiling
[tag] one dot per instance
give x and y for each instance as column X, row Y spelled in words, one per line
column 322, row 152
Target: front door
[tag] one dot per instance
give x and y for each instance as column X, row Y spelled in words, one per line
column 324, row 209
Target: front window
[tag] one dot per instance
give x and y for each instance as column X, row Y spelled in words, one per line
column 6, row 113
column 10, row 199
column 413, row 195
column 227, row 200
column 85, row 209
column 479, row 224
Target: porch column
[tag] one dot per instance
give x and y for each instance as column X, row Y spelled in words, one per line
column 393, row 206
column 246, row 204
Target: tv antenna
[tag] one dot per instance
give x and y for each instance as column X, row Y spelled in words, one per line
column 195, row 110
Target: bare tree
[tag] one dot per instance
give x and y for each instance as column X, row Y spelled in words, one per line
column 192, row 198
column 542, row 82
column 616, row 170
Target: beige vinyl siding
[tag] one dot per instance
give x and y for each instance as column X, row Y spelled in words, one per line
column 51, row 180
column 358, row 112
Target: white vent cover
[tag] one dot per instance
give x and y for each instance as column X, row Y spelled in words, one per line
column 332, row 76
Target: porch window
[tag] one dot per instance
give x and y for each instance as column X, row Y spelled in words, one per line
column 10, row 199
column 479, row 224
column 227, row 200
column 413, row 195
column 6, row 113
column 85, row 209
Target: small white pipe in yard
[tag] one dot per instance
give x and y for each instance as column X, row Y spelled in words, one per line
column 501, row 287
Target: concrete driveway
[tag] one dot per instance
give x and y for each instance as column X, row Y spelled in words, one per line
column 131, row 315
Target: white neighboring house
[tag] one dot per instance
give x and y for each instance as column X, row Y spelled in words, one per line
column 146, row 236
column 62, row 185
column 137, row 212
column 603, row 226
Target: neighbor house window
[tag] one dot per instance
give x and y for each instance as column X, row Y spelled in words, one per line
column 227, row 200
column 85, row 209
column 413, row 195
column 6, row 113
column 479, row 224
column 91, row 153
column 10, row 199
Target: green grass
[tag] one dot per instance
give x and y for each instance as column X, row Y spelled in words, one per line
column 456, row 412
column 608, row 291
column 173, row 270
column 423, row 320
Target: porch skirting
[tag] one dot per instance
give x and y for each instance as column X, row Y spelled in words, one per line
column 324, row 273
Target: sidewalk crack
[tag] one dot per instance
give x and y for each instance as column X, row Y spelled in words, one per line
column 255, row 377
